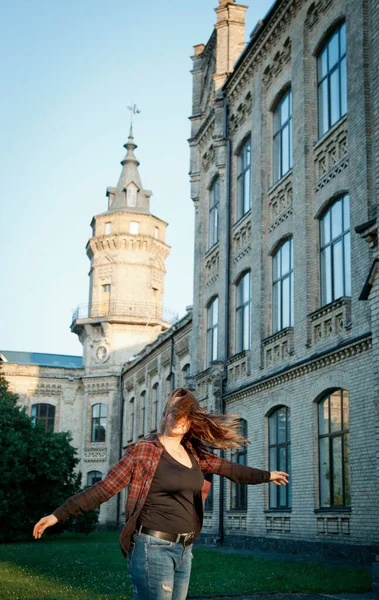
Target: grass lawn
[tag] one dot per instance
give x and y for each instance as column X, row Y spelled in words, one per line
column 79, row 567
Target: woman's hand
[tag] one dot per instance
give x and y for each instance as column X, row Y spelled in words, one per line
column 279, row 477
column 42, row 524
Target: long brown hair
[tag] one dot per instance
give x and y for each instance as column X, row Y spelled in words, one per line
column 213, row 430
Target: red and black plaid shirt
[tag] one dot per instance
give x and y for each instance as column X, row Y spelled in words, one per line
column 136, row 469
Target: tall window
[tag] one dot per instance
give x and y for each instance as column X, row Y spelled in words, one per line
column 131, row 195
column 107, row 288
column 208, row 504
column 134, row 227
column 108, row 228
column 243, row 302
column 214, row 207
column 238, row 491
column 335, row 251
column 99, row 422
column 244, row 180
column 212, row 331
column 280, row 455
column 93, row 477
column 331, row 76
column 142, row 418
column 44, row 413
column 333, row 430
column 154, row 407
column 131, row 419
column 282, row 293
column 185, row 374
column 283, row 136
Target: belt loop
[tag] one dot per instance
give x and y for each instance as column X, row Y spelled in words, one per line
column 139, row 530
column 178, row 538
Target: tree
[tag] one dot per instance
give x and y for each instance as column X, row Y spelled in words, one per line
column 37, row 471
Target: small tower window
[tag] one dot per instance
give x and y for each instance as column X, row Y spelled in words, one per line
column 107, row 288
column 108, row 228
column 156, row 232
column 131, row 195
column 134, row 227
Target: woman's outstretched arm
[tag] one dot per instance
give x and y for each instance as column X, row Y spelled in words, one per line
column 116, row 479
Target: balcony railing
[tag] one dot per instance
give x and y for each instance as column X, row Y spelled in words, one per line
column 136, row 310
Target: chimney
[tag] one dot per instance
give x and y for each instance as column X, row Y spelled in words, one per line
column 230, row 32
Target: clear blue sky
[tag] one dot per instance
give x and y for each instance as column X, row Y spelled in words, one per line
column 69, row 69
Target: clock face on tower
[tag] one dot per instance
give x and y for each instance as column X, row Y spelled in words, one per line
column 102, row 353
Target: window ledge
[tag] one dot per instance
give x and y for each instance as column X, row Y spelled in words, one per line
column 275, row 511
column 330, row 132
column 237, row 356
column 241, row 220
column 234, row 511
column 332, row 510
column 212, row 249
column 280, row 181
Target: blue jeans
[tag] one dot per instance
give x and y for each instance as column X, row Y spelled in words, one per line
column 159, row 570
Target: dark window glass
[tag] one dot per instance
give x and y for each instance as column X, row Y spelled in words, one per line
column 44, row 413
column 282, row 292
column 185, row 375
column 131, row 419
column 142, row 421
column 332, row 88
column 93, row 477
column 333, row 440
column 212, row 331
column 99, row 422
column 335, row 251
column 282, row 143
column 154, row 406
column 280, row 455
column 244, row 180
column 214, row 205
column 243, row 303
column 238, row 491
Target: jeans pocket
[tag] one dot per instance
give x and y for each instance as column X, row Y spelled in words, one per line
column 156, row 543
column 129, row 556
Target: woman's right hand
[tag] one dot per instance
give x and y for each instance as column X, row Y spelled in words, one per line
column 42, row 524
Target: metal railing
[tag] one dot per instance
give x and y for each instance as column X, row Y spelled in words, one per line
column 138, row 310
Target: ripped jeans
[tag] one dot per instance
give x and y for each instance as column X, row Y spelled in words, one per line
column 159, row 570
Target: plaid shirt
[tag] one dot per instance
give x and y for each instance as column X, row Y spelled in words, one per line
column 136, row 469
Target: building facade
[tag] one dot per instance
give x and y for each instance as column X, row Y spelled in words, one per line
column 282, row 171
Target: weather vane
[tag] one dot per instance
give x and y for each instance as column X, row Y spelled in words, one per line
column 134, row 110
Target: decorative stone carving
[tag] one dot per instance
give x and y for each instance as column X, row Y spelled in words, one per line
column 208, row 158
column 206, row 132
column 336, row 525
column 48, row 389
column 278, row 348
column 95, row 455
column 140, row 375
column 212, row 267
column 98, row 388
column 280, row 202
column 314, row 12
column 236, row 522
column 281, row 58
column 278, row 524
column 237, row 367
column 331, row 155
column 330, row 320
column 241, row 238
column 240, row 114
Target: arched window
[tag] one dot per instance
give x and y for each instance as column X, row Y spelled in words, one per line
column 282, row 143
column 44, row 413
column 185, row 374
column 243, row 304
column 154, row 407
column 214, row 207
column 282, row 287
column 131, row 195
column 131, row 419
column 244, row 180
column 93, row 477
column 279, row 444
column 142, row 420
column 99, row 422
column 208, row 504
column 331, row 78
column 335, row 251
column 238, row 491
column 333, row 448
column 212, row 331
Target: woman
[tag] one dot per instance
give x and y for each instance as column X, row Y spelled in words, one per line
column 164, row 510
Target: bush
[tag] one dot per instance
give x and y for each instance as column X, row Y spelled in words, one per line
column 37, row 471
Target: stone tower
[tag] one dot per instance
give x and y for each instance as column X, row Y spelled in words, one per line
column 127, row 251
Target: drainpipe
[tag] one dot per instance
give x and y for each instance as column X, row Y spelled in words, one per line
column 120, row 453
column 226, row 292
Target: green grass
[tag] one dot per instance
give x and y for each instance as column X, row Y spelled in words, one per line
column 79, row 567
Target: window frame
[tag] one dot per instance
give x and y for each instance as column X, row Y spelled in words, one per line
column 243, row 321
column 243, row 173
column 344, row 434
column 97, row 478
column 99, row 419
column 277, row 446
column 212, row 331
column 238, row 491
column 142, row 412
column 277, row 163
column 132, row 417
column 278, row 282
column 342, row 94
column 154, row 407
column 214, row 213
column 48, row 419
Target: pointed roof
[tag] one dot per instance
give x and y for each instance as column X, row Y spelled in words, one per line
column 130, row 164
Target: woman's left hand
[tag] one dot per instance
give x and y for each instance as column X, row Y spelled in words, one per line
column 279, row 477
